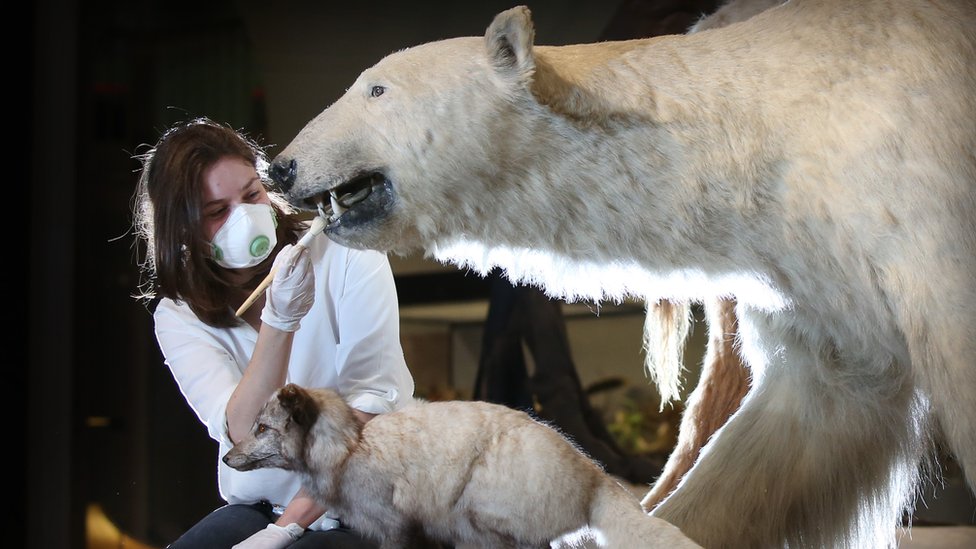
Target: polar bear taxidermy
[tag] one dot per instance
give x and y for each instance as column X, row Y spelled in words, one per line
column 816, row 162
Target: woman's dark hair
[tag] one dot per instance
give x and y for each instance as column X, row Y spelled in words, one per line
column 168, row 219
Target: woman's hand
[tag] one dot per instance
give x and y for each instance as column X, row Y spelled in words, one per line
column 272, row 537
column 304, row 511
column 292, row 292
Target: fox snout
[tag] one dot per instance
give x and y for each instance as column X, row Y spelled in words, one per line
column 238, row 460
column 248, row 457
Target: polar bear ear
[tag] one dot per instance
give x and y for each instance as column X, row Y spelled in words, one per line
column 509, row 41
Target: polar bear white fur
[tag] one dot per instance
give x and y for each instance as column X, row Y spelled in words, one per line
column 816, row 162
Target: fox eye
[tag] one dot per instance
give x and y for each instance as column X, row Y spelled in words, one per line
column 376, row 91
column 261, row 428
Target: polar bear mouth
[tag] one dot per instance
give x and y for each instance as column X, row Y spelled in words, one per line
column 356, row 206
column 338, row 200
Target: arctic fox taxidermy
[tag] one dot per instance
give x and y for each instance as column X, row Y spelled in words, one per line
column 463, row 472
column 815, row 162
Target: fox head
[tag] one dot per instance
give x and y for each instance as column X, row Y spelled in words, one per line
column 278, row 436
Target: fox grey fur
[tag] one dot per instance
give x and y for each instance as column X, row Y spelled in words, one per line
column 462, row 472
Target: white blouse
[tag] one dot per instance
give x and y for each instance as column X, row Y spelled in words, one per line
column 349, row 341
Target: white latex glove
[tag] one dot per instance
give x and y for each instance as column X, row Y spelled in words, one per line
column 272, row 537
column 325, row 522
column 292, row 291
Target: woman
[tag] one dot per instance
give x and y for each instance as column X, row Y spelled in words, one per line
column 329, row 319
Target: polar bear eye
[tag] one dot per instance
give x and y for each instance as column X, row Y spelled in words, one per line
column 376, row 91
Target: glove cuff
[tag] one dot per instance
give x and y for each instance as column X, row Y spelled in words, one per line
column 325, row 522
column 293, row 530
column 269, row 318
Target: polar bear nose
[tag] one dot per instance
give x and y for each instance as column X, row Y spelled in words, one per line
column 283, row 172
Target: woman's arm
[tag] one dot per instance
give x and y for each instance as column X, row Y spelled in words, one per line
column 372, row 373
column 287, row 301
column 264, row 374
column 208, row 364
column 202, row 362
column 302, row 510
column 210, row 378
column 363, row 417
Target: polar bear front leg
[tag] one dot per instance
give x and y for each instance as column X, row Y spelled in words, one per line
column 723, row 383
column 823, row 453
column 724, row 378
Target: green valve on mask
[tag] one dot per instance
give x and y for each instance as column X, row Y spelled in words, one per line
column 259, row 246
column 218, row 254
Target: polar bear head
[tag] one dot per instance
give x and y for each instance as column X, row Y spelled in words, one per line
column 418, row 139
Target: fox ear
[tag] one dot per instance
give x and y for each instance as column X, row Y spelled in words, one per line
column 299, row 404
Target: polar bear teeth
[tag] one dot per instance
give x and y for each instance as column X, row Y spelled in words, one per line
column 337, row 209
column 349, row 194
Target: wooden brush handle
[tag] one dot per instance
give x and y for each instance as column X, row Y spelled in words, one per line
column 317, row 225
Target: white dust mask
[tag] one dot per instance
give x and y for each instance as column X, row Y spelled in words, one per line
column 247, row 237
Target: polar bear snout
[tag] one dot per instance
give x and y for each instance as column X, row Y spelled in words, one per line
column 283, row 172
